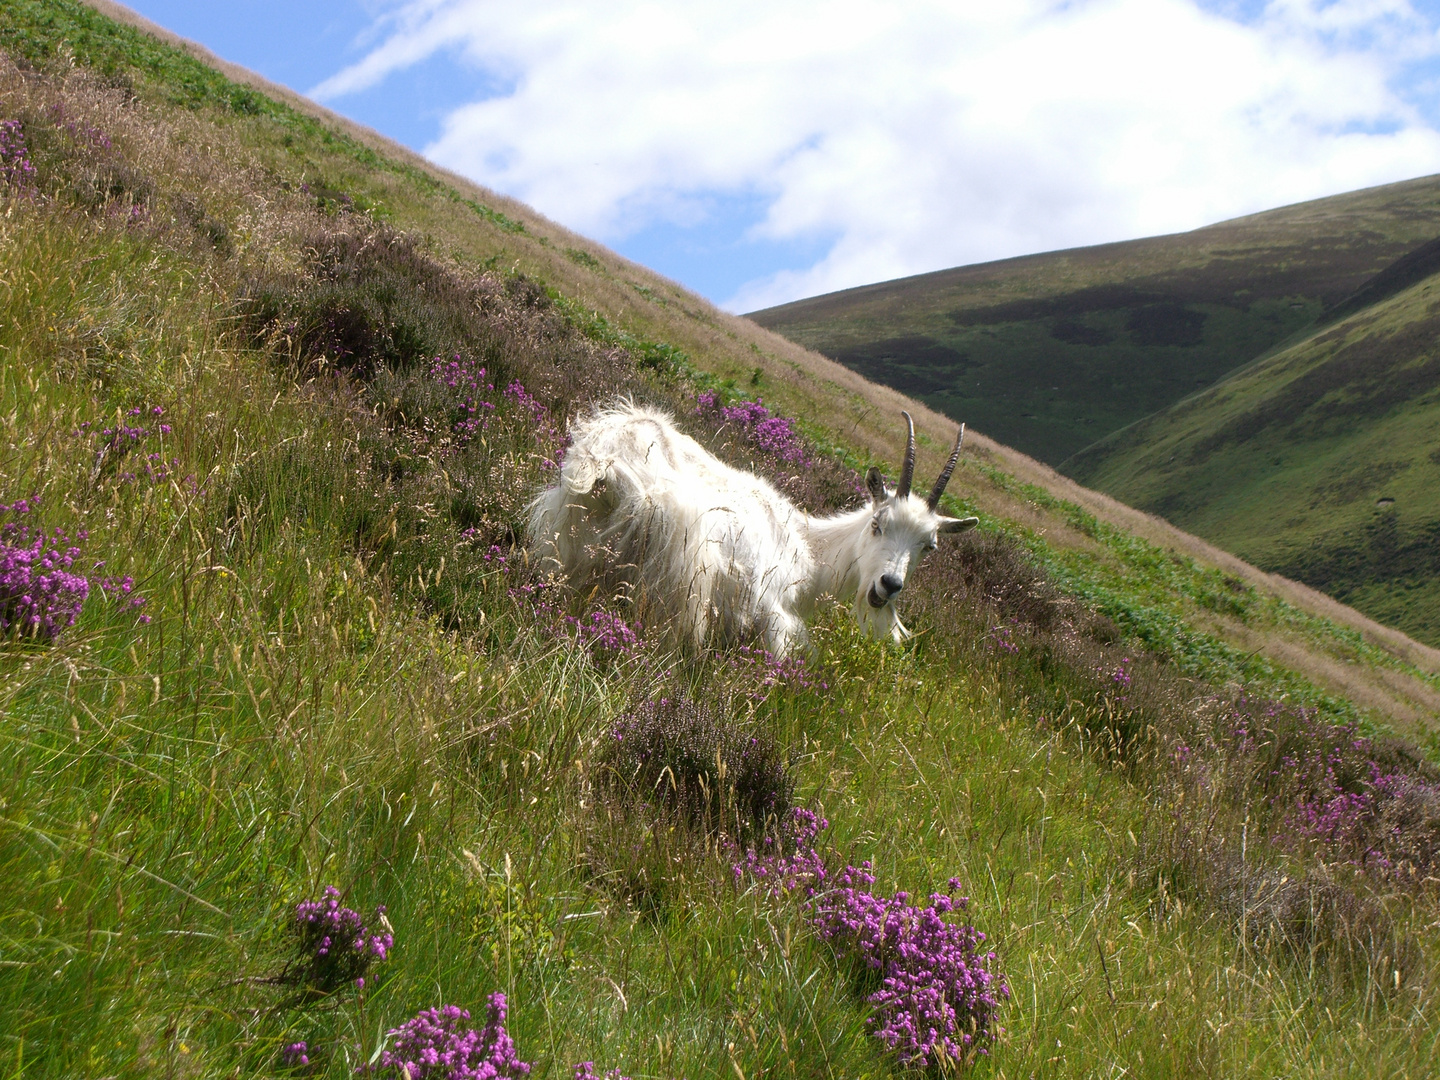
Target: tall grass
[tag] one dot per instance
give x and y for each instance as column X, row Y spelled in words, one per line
column 349, row 676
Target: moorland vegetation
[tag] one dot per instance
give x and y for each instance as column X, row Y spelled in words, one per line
column 307, row 771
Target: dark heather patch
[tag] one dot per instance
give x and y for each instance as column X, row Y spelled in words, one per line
column 1073, row 332
column 1409, row 269
column 1380, row 551
column 1363, row 380
column 913, row 364
column 1069, row 306
column 1357, row 483
column 1169, row 323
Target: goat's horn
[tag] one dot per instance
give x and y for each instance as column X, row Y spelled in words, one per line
column 944, row 477
column 907, row 471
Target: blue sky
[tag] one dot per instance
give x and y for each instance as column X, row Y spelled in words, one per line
column 763, row 150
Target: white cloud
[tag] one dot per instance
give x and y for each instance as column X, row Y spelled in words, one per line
column 919, row 133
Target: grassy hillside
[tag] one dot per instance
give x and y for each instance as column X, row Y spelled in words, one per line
column 273, row 398
column 1049, row 353
column 1321, row 462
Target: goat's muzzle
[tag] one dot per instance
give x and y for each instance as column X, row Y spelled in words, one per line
column 879, row 599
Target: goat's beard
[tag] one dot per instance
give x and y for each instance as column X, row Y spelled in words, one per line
column 879, row 623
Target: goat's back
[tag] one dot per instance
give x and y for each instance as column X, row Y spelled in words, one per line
column 644, row 508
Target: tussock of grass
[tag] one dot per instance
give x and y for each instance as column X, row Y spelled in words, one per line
column 350, row 676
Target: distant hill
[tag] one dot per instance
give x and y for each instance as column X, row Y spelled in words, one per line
column 1321, row 462
column 1049, row 353
column 1269, row 383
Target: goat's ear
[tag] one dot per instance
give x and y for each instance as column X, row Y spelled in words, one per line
column 953, row 525
column 876, row 483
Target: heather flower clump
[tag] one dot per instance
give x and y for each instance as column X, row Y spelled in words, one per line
column 788, row 863
column 766, row 671
column 605, row 633
column 336, row 948
column 41, row 590
column 937, row 994
column 585, row 1070
column 438, row 1044
column 693, row 757
column 474, row 406
column 296, row 1053
column 471, row 382
column 772, row 434
column 16, row 169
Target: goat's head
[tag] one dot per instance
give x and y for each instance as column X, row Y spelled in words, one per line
column 902, row 528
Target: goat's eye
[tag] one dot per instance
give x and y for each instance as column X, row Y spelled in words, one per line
column 874, row 528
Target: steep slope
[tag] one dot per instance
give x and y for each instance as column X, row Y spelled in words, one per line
column 1321, row 462
column 273, row 399
column 1049, row 353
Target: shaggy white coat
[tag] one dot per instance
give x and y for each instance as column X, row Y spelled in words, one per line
column 718, row 554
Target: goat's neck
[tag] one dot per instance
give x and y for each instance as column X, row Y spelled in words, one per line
column 835, row 543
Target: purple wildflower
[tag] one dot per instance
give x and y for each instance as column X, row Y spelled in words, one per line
column 775, row 435
column 40, row 593
column 437, row 1045
column 335, row 946
column 937, row 996
column 790, row 862
column 471, row 382
column 608, row 634
column 585, row 1070
column 769, row 671
column 16, row 168
column 1001, row 639
column 296, row 1053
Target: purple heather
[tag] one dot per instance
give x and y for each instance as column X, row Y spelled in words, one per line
column 438, row 1045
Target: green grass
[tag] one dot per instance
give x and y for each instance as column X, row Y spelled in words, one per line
column 335, row 687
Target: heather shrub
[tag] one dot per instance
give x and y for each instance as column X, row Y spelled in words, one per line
column 1330, row 790
column 719, row 771
column 61, row 146
column 17, row 170
column 748, row 435
column 366, row 298
column 1196, row 850
column 988, row 575
column 437, row 1045
column 336, row 949
column 373, row 301
column 933, row 991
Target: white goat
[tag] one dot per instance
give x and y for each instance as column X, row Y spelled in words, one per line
column 719, row 552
